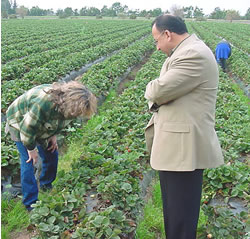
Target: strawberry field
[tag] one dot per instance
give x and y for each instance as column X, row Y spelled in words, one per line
column 101, row 191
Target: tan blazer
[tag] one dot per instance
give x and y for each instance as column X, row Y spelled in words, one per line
column 180, row 135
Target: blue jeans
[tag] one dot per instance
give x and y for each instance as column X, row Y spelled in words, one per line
column 28, row 180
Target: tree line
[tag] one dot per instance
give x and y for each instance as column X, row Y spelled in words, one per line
column 10, row 9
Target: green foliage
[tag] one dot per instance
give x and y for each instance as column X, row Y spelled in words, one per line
column 231, row 180
column 12, row 16
column 5, row 6
column 38, row 65
column 212, row 32
column 132, row 16
column 14, row 217
column 108, row 223
column 55, row 213
column 9, row 153
column 222, row 223
column 203, row 19
column 151, row 226
column 63, row 15
column 218, row 14
column 231, row 120
column 117, row 190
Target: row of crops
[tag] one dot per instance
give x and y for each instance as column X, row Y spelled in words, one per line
column 212, row 33
column 111, row 159
column 42, row 74
column 48, row 66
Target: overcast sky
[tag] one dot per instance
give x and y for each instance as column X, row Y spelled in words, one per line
column 207, row 5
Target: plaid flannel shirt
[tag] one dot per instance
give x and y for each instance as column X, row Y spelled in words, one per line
column 32, row 118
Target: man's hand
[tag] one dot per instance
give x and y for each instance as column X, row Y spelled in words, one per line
column 33, row 154
column 53, row 144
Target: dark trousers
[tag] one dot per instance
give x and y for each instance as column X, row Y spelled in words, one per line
column 223, row 64
column 181, row 195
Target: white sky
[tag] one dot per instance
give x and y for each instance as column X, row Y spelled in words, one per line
column 207, row 5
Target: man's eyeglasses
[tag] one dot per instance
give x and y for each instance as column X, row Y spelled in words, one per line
column 156, row 40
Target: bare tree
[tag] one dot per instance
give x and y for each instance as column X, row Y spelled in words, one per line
column 22, row 11
column 177, row 11
column 232, row 15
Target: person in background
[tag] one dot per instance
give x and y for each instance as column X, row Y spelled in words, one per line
column 33, row 121
column 180, row 136
column 222, row 53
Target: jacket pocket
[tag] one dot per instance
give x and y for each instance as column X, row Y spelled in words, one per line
column 176, row 128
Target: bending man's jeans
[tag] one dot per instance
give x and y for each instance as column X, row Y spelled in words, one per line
column 28, row 181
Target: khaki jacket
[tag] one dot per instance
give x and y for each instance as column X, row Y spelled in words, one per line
column 180, row 135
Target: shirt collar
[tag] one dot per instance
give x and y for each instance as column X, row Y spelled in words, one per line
column 173, row 50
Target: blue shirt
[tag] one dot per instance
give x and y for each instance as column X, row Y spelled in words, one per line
column 223, row 50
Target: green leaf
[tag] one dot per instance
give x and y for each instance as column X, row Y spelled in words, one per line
column 226, row 199
column 56, row 229
column 72, row 199
column 44, row 211
column 51, row 220
column 98, row 220
column 108, row 231
column 44, row 227
column 106, row 222
column 127, row 187
column 82, row 213
column 117, row 231
column 234, row 192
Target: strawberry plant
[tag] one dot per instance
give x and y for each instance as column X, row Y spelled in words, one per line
column 222, row 223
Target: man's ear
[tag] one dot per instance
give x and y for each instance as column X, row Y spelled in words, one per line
column 168, row 35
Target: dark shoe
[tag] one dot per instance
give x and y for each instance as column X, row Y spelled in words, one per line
column 29, row 208
column 45, row 188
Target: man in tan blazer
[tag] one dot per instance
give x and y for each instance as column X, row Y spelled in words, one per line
column 180, row 136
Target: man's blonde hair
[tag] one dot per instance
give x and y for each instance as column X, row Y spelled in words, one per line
column 73, row 99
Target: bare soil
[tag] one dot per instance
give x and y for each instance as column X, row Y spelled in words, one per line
column 132, row 74
column 25, row 234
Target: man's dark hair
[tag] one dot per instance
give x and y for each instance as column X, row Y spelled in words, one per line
column 170, row 23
